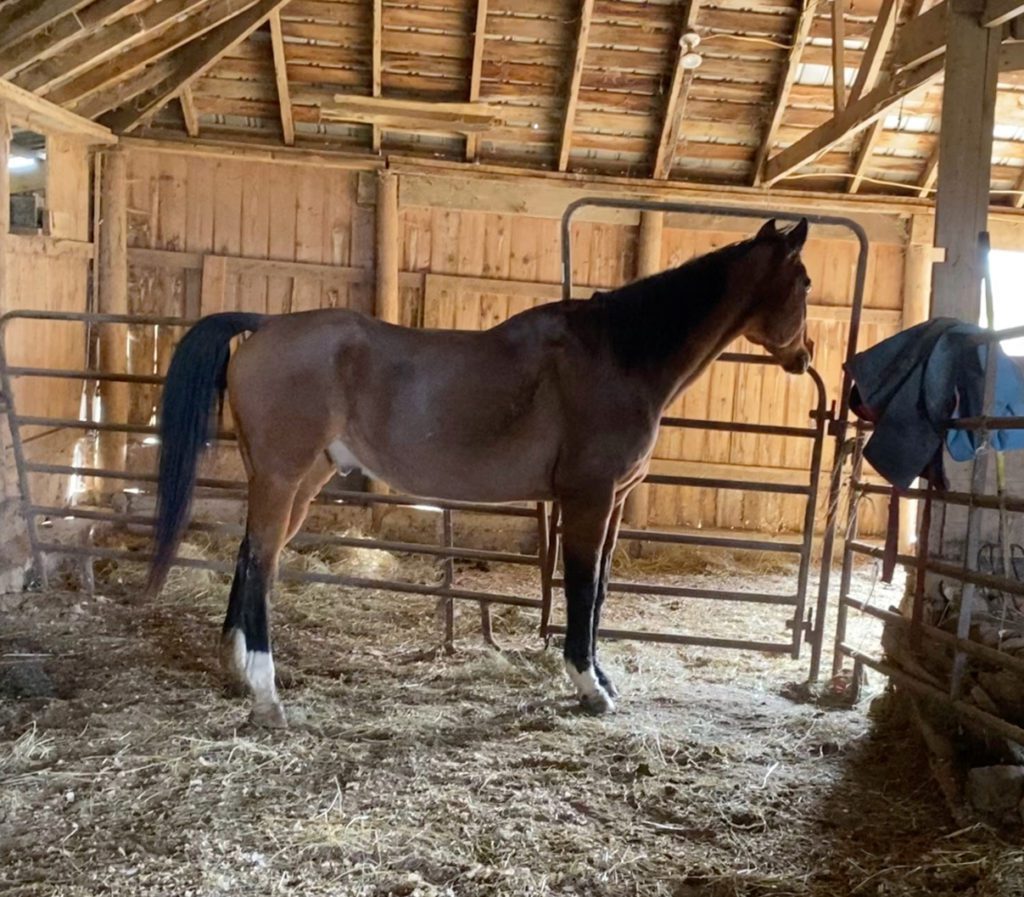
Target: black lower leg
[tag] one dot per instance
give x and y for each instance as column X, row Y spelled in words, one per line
column 579, row 595
column 601, row 593
column 233, row 618
column 247, row 604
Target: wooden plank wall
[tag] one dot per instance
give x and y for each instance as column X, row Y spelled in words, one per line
column 51, row 273
column 208, row 215
column 201, row 207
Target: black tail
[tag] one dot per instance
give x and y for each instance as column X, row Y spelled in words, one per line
column 196, row 379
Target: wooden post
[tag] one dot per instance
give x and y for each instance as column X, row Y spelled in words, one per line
column 387, row 306
column 965, row 147
column 917, row 294
column 5, row 202
column 961, row 210
column 648, row 262
column 113, row 300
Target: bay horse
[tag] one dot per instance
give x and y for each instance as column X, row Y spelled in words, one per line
column 559, row 403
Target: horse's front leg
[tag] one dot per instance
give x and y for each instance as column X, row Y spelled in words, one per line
column 604, row 574
column 585, row 525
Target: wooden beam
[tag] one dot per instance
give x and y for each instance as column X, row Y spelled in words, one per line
column 5, row 202
column 188, row 111
column 190, row 63
column 119, row 94
column 864, row 153
column 377, row 65
column 420, row 114
column 130, row 64
column 54, row 38
column 675, row 103
column 479, row 40
column 930, row 173
column 113, row 299
column 281, row 77
column 23, row 18
column 838, row 56
column 36, row 114
column 102, row 44
column 854, row 118
column 965, row 146
column 1018, row 199
column 922, row 38
column 867, row 78
column 801, row 31
column 387, row 304
column 649, row 244
column 582, row 39
column 999, row 12
column 878, row 46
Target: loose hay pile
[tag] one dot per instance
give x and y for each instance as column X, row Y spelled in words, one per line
column 125, row 768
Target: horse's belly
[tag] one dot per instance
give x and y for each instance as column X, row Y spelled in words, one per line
column 508, row 473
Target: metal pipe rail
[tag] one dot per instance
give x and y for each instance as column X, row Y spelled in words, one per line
column 964, row 573
column 445, row 552
column 834, row 424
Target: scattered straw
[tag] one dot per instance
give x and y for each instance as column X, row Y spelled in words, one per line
column 408, row 772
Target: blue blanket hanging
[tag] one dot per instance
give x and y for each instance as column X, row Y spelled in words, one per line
column 911, row 384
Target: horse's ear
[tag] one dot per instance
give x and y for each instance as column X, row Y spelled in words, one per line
column 796, row 236
column 768, row 230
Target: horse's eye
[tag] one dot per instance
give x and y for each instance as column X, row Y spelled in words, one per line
column 807, row 284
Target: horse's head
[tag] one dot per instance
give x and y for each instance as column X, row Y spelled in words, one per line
column 779, row 319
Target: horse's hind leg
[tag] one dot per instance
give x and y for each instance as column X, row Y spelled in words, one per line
column 604, row 574
column 245, row 641
column 314, row 480
column 584, row 530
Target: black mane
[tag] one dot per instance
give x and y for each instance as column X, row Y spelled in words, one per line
column 648, row 319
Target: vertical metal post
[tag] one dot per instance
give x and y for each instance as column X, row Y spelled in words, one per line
column 846, row 574
column 448, row 578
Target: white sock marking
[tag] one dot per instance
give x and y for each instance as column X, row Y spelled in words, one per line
column 586, row 682
column 259, row 673
column 236, row 652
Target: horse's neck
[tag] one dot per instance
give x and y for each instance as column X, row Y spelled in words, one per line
column 721, row 320
column 696, row 353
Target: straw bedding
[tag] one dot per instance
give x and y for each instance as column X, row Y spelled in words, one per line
column 126, row 767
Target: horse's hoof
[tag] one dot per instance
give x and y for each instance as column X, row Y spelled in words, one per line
column 598, row 703
column 268, row 716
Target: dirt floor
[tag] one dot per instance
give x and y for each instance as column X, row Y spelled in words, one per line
column 126, row 768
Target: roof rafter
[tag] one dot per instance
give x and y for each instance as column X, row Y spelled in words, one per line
column 930, row 173
column 281, row 77
column 188, row 112
column 24, row 18
column 127, row 64
column 867, row 78
column 189, row 63
column 17, row 54
column 43, row 76
column 118, row 94
column 851, row 120
column 838, row 56
column 582, row 39
column 675, row 104
column 479, row 39
column 801, row 32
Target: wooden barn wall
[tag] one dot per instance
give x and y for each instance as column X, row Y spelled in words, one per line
column 51, row 273
column 211, row 233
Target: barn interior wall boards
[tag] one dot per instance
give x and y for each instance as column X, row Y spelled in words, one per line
column 47, row 268
column 208, row 233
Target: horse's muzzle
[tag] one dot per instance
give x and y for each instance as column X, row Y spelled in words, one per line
column 799, row 364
